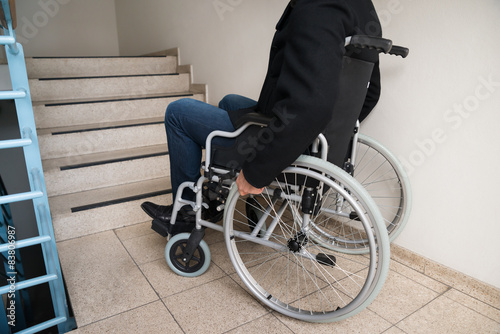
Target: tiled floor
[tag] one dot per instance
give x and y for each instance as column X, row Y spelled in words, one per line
column 119, row 282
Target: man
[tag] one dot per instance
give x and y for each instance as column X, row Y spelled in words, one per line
column 299, row 92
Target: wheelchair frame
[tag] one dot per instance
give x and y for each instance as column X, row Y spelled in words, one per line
column 364, row 230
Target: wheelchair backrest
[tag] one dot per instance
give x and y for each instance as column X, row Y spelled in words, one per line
column 354, row 79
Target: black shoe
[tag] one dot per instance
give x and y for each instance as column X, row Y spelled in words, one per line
column 163, row 213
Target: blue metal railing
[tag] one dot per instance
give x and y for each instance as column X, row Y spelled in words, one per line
column 38, row 194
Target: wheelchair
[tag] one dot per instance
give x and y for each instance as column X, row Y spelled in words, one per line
column 378, row 170
column 314, row 245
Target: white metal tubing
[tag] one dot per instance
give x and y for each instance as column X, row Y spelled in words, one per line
column 354, row 148
column 324, row 146
column 212, row 135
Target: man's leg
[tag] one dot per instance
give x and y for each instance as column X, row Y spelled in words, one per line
column 234, row 102
column 188, row 123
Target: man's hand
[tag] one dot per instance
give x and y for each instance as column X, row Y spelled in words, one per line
column 246, row 188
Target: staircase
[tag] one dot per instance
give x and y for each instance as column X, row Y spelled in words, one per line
column 102, row 138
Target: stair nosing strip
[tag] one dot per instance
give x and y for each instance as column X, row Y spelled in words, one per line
column 118, row 99
column 105, row 128
column 109, row 76
column 110, row 161
column 119, row 201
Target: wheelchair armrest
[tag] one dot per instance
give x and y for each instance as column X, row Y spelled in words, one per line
column 253, row 117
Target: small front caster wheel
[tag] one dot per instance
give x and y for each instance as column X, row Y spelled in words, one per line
column 198, row 264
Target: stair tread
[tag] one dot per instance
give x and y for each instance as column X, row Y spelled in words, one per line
column 104, row 87
column 49, row 67
column 99, row 57
column 100, row 126
column 65, row 204
column 109, row 76
column 93, row 159
column 112, row 99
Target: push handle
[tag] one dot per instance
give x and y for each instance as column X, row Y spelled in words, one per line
column 399, row 51
column 371, row 42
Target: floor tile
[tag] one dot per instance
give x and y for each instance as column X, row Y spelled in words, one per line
column 221, row 258
column 146, row 248
column 365, row 322
column 464, row 283
column 166, row 282
column 265, row 324
column 101, row 277
column 419, row 277
column 213, row 236
column 394, row 330
column 134, row 231
column 217, row 307
column 400, row 297
column 444, row 315
column 474, row 304
column 151, row 318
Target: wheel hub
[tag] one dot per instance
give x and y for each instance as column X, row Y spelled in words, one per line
column 296, row 243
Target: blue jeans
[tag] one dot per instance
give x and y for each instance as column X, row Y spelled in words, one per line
column 188, row 123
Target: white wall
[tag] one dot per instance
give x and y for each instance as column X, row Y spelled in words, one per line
column 439, row 113
column 450, row 153
column 67, row 27
column 228, row 46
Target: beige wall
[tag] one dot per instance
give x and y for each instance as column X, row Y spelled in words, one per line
column 439, row 111
column 67, row 27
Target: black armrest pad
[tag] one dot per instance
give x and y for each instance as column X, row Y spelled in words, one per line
column 253, row 117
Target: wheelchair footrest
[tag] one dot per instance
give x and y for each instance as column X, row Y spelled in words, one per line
column 354, row 216
column 164, row 229
column 328, row 260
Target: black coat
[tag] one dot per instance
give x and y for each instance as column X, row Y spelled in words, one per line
column 301, row 84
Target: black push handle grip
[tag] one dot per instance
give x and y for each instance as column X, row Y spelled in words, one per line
column 399, row 51
column 371, row 42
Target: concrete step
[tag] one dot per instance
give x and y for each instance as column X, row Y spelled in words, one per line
column 98, row 138
column 79, row 161
column 50, row 67
column 106, row 170
column 78, row 214
column 111, row 86
column 102, row 138
column 50, row 114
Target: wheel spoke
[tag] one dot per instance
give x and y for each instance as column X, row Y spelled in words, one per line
column 302, row 275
